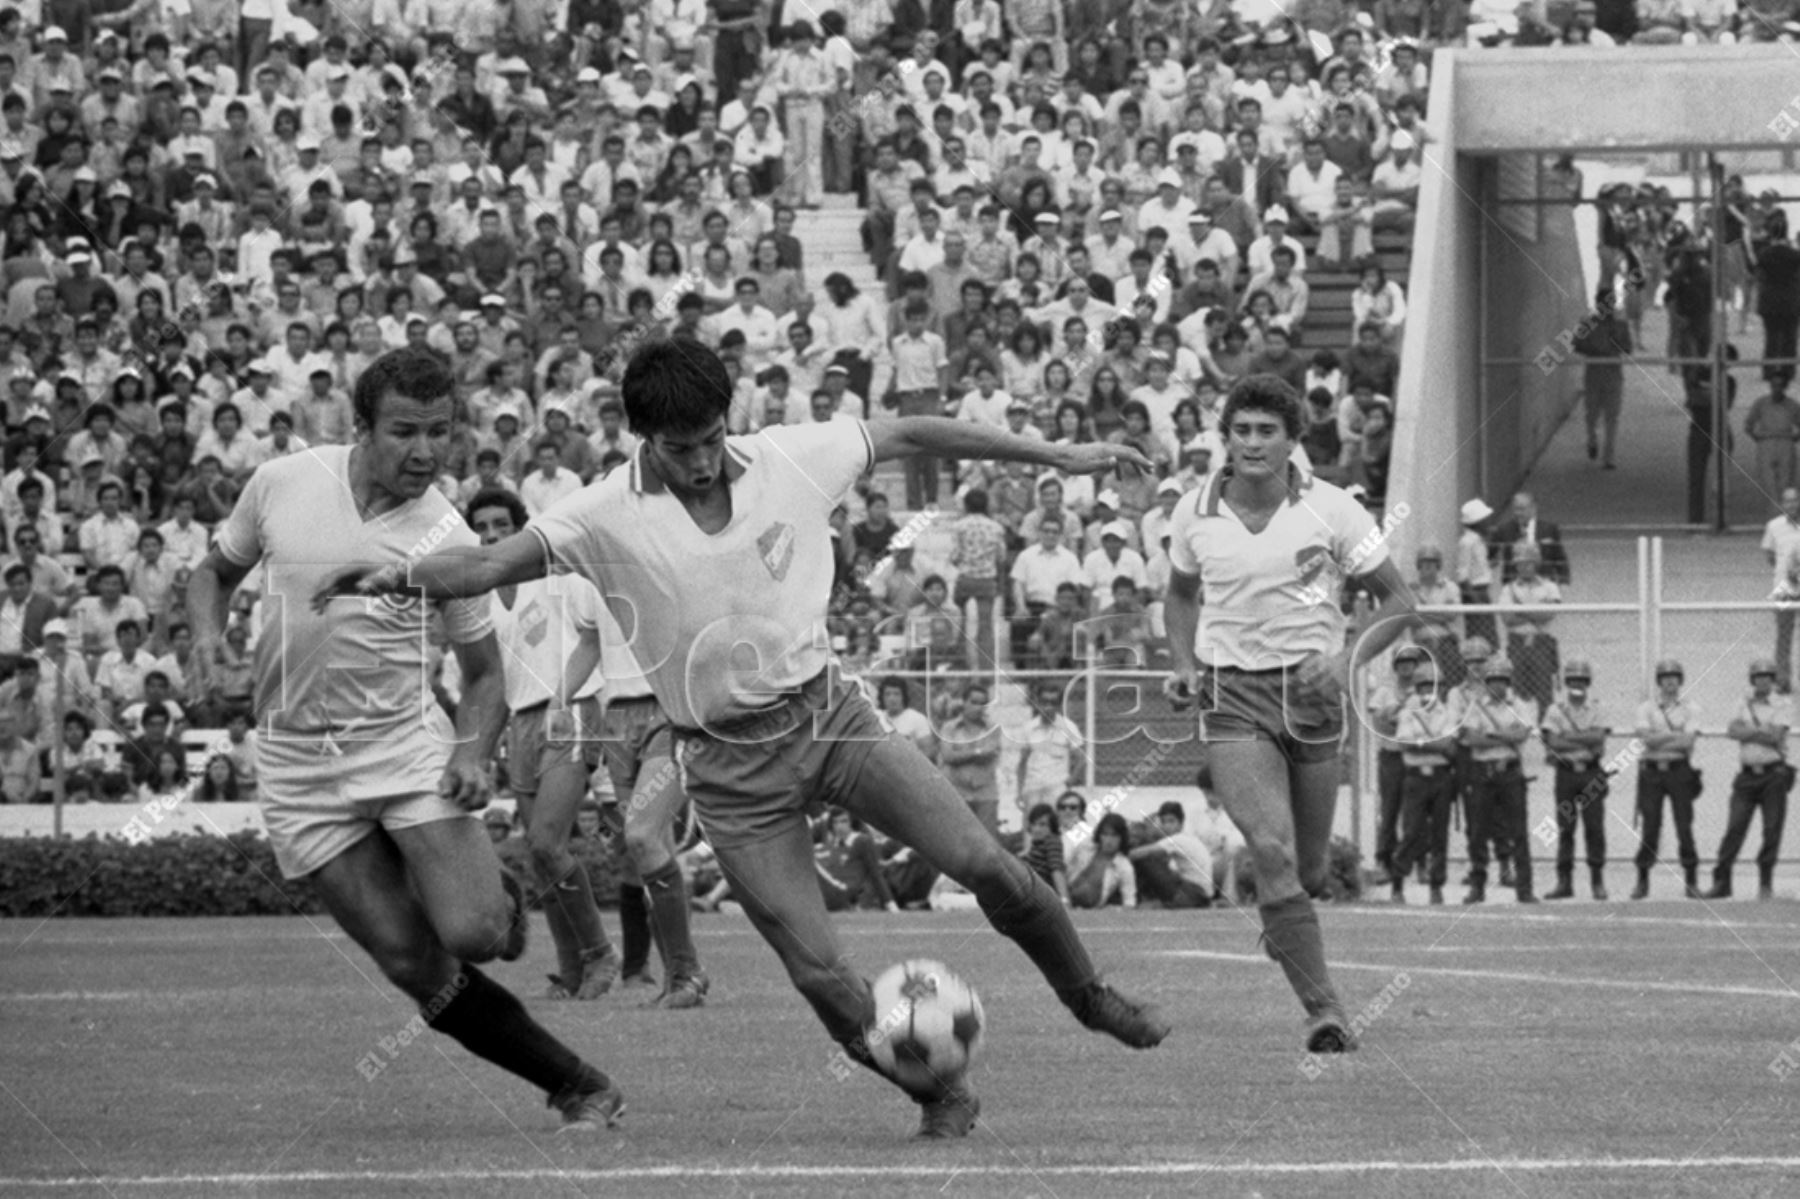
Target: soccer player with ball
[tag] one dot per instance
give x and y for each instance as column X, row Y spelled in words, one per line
column 1268, row 542
column 720, row 545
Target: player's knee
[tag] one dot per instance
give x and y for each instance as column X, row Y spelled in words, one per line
column 417, row 971
column 478, row 935
column 648, row 849
column 550, row 856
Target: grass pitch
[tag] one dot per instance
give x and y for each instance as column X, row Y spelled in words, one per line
column 1626, row 1049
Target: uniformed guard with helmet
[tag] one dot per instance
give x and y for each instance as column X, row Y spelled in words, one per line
column 1427, row 736
column 1492, row 728
column 1763, row 781
column 1476, row 651
column 1575, row 731
column 1667, row 725
column 1385, row 702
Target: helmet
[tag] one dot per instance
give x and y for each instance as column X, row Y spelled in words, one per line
column 1427, row 672
column 1415, row 653
column 1431, row 552
column 1476, row 647
column 1577, row 668
column 1763, row 666
column 1670, row 666
column 1497, row 668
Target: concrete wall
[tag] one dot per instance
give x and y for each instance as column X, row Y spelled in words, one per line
column 1434, row 466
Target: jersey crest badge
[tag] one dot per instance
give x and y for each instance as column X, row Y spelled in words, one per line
column 777, row 546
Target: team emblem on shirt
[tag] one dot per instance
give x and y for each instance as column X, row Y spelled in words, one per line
column 1318, row 574
column 777, row 546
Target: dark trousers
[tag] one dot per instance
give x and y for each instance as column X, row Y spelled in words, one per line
column 1680, row 785
column 1766, row 789
column 1157, row 882
column 1700, row 454
column 1781, row 333
column 1019, row 631
column 1535, row 661
column 1425, row 802
column 1390, row 777
column 1495, row 808
column 1580, row 797
column 921, row 472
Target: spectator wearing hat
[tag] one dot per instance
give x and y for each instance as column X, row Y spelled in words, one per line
column 1260, row 257
column 1114, row 559
column 54, row 69
column 1394, row 186
column 1574, row 730
column 1475, row 573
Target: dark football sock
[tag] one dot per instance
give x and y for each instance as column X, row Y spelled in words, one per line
column 568, row 950
column 667, row 892
column 490, row 1022
column 1022, row 907
column 634, row 928
column 577, row 895
column 1292, row 935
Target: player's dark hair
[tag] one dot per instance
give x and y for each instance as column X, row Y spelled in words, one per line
column 412, row 371
column 498, row 497
column 674, row 387
column 1265, row 393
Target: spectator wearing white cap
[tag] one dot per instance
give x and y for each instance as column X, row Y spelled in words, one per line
column 1260, row 256
column 111, row 100
column 1154, row 524
column 1168, row 208
column 1395, row 184
column 1114, row 558
column 1474, row 575
column 316, row 110
column 1203, row 240
column 55, row 68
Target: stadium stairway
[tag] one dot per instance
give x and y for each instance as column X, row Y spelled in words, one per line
column 1329, row 323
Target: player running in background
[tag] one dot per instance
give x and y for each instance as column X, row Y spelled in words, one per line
column 537, row 625
column 639, row 745
column 720, row 547
column 1270, row 546
column 366, row 788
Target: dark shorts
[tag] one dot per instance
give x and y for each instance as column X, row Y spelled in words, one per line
column 633, row 732
column 758, row 777
column 531, row 752
column 976, row 589
column 1271, row 705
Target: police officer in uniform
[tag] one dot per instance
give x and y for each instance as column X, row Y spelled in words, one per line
column 1492, row 727
column 1575, row 735
column 1475, row 653
column 1763, row 781
column 1385, row 702
column 1667, row 727
column 1427, row 736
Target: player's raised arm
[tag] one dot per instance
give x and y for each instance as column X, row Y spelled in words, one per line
column 453, row 572
column 941, row 437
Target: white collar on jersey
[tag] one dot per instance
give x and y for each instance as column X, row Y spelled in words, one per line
column 645, row 480
column 1299, row 484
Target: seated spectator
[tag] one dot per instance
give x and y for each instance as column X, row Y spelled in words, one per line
column 120, row 676
column 849, row 867
column 1052, row 645
column 1394, row 187
column 94, row 619
column 20, row 770
column 23, row 615
column 89, row 773
column 897, row 715
column 1345, row 228
column 1121, row 629
column 110, row 535
column 1379, row 301
column 168, row 780
column 1372, row 360
column 219, row 782
column 1100, row 871
column 1175, row 870
column 142, row 754
column 1043, row 850
column 157, row 691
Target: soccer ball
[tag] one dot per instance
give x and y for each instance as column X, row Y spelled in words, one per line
column 928, row 1024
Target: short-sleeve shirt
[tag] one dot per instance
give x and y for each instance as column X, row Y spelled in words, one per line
column 1564, row 717
column 1781, row 538
column 537, row 635
column 1270, row 599
column 1761, row 713
column 1424, row 720
column 359, row 667
column 727, row 623
column 1654, row 716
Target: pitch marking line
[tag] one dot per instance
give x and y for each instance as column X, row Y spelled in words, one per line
column 798, row 1172
column 1519, row 976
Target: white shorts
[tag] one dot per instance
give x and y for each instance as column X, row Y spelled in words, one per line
column 319, row 798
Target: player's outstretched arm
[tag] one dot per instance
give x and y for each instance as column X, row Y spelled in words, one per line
column 453, row 572
column 941, row 437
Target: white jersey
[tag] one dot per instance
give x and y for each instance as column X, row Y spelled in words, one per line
column 625, row 679
column 538, row 634
column 358, row 670
column 1270, row 599
column 726, row 623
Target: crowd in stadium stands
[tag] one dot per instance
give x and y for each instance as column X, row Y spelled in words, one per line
column 1085, row 220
